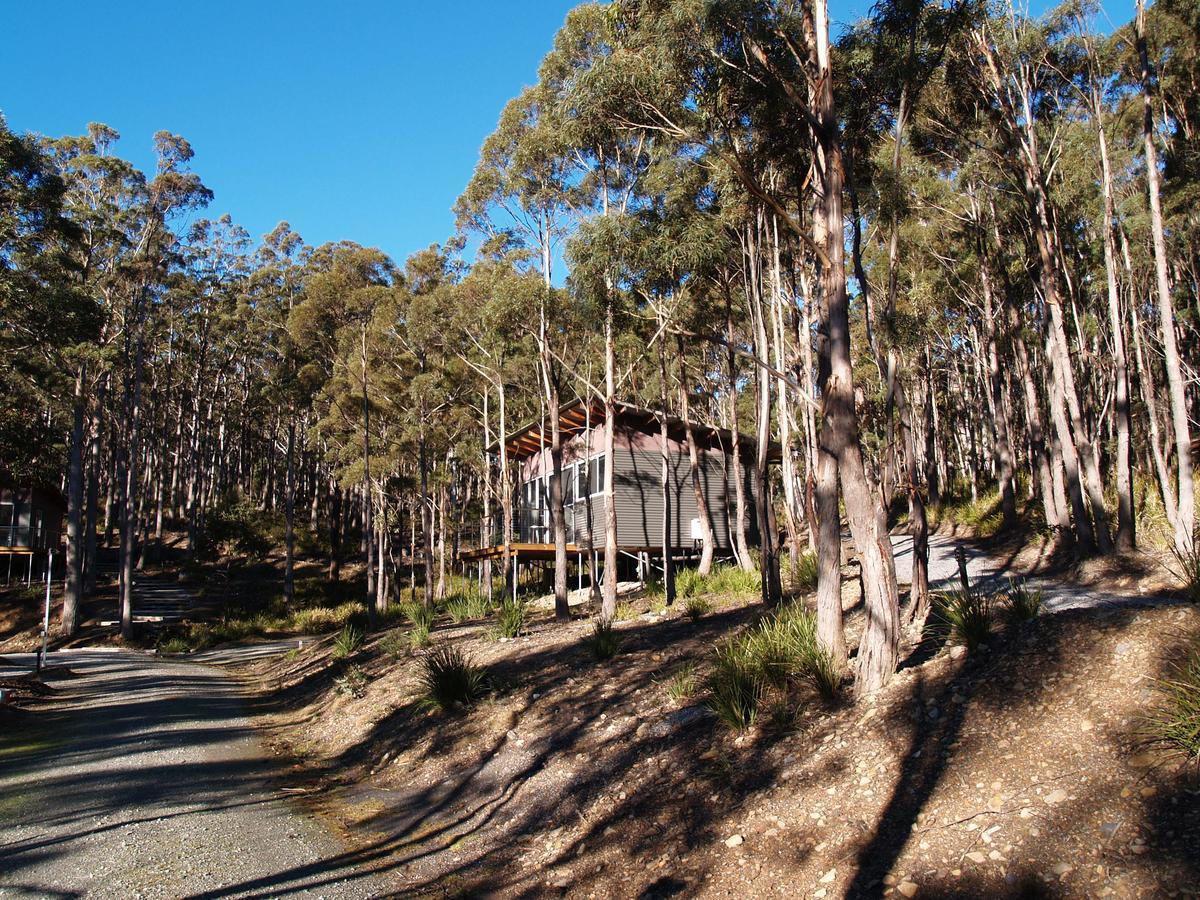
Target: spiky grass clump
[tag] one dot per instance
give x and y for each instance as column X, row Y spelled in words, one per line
column 449, row 679
column 734, row 581
column 465, row 607
column 684, row 683
column 1187, row 568
column 352, row 682
column 510, row 618
column 735, row 687
column 696, row 607
column 347, row 642
column 964, row 616
column 395, row 644
column 1021, row 602
column 603, row 641
column 804, row 574
column 784, row 647
column 420, row 617
column 1175, row 722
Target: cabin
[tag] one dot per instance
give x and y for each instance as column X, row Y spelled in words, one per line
column 637, row 487
column 31, row 520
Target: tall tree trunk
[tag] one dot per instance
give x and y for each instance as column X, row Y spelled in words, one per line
column 289, row 543
column 73, row 591
column 878, row 648
column 1126, row 524
column 737, row 534
column 1185, row 525
column 707, row 540
column 668, row 482
column 608, row 607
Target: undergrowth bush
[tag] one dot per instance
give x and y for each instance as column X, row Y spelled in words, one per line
column 420, row 617
column 724, row 579
column 449, row 679
column 347, row 642
column 1187, row 568
column 236, row 526
column 1175, row 723
column 353, row 682
column 468, row 606
column 1021, row 602
column 510, row 618
column 684, row 683
column 697, row 607
column 773, row 654
column 395, row 644
column 803, row 576
column 964, row 616
column 603, row 641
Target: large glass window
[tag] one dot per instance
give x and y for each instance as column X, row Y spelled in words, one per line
column 568, row 485
column 596, row 472
column 6, row 515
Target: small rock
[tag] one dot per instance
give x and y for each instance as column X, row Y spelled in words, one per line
column 976, row 857
column 957, row 651
column 1062, row 869
column 829, row 876
column 734, row 840
column 1149, row 791
column 820, row 894
column 907, row 888
column 1108, row 829
column 1056, row 796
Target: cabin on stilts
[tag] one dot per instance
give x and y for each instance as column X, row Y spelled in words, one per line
column 30, row 524
column 637, row 487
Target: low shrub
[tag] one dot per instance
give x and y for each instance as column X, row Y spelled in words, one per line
column 352, row 682
column 465, row 607
column 420, row 617
column 1021, row 602
column 804, row 575
column 347, row 642
column 449, row 679
column 735, row 687
column 1187, row 568
column 510, row 618
column 395, row 644
column 603, row 641
column 684, row 683
column 964, row 616
column 724, row 580
column 697, row 607
column 173, row 644
column 625, row 612
column 1175, row 723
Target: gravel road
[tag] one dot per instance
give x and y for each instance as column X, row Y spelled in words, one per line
column 148, row 781
column 993, row 573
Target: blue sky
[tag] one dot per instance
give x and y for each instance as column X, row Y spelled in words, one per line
column 352, row 120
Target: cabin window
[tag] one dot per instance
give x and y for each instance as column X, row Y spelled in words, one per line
column 568, row 485
column 596, row 471
column 36, row 537
column 7, row 520
column 581, row 485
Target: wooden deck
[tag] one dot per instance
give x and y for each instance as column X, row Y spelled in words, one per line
column 522, row 550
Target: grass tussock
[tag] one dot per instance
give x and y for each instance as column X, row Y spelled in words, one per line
column 802, row 576
column 779, row 652
column 511, row 618
column 684, row 684
column 697, row 607
column 1021, row 603
column 966, row 617
column 603, row 642
column 450, row 680
column 1186, row 568
column 348, row 641
column 420, row 619
column 723, row 580
column 468, row 607
column 1175, row 723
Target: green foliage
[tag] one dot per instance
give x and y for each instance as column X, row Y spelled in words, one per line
column 237, row 526
column 697, row 607
column 723, row 580
column 625, row 612
column 773, row 654
column 964, row 616
column 684, row 683
column 982, row 516
column 804, row 576
column 173, row 644
column 1175, row 723
column 352, row 682
column 1187, row 568
column 1021, row 603
column 468, row 606
column 735, row 687
column 395, row 644
column 510, row 618
column 603, row 642
column 348, row 641
column 449, row 679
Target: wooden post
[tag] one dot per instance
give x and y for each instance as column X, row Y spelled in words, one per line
column 960, row 556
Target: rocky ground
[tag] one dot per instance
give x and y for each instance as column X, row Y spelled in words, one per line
column 1019, row 769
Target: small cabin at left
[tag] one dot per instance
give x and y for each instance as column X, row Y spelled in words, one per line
column 31, row 517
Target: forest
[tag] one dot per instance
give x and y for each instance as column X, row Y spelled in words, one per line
column 951, row 252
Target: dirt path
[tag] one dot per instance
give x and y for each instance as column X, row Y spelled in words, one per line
column 993, row 573
column 147, row 780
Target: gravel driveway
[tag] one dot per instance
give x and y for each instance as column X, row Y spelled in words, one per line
column 147, row 780
column 992, row 573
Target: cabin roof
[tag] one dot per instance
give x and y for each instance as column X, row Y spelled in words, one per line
column 574, row 418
